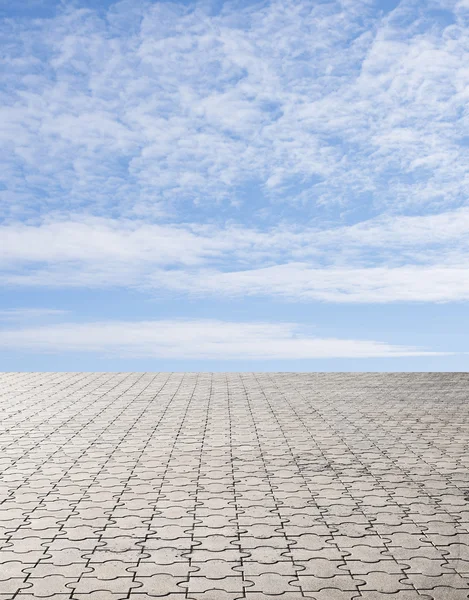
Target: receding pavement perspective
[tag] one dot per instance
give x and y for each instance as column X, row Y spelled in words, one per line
column 225, row 486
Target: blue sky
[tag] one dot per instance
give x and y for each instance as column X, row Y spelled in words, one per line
column 234, row 186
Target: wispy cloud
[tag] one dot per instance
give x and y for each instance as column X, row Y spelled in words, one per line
column 30, row 314
column 380, row 260
column 149, row 108
column 196, row 339
column 297, row 281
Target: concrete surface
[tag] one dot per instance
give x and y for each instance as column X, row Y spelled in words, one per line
column 225, row 486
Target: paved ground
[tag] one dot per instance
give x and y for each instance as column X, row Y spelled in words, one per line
column 217, row 487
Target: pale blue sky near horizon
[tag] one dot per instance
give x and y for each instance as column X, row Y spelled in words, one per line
column 222, row 186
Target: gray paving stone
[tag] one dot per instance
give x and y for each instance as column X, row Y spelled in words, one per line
column 234, row 486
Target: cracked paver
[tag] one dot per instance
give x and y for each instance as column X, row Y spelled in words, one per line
column 234, row 486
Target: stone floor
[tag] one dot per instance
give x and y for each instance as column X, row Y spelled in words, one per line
column 225, row 486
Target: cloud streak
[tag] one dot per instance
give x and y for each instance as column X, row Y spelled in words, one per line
column 196, row 339
column 380, row 260
column 30, row 314
column 299, row 282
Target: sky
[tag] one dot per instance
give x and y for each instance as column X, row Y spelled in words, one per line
column 222, row 186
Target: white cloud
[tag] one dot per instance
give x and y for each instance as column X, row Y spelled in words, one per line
column 156, row 106
column 381, row 260
column 197, row 339
column 101, row 240
column 30, row 314
column 297, row 281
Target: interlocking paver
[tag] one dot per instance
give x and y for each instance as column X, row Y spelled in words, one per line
column 133, row 486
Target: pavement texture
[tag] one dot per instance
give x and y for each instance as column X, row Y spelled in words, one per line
column 225, row 486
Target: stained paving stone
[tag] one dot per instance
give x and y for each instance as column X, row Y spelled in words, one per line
column 133, row 486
